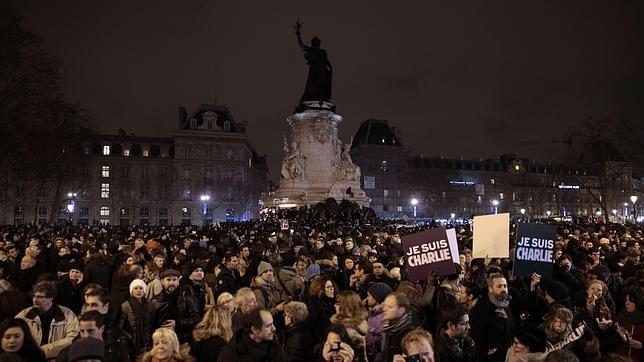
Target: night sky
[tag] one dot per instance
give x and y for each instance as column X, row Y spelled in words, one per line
column 458, row 78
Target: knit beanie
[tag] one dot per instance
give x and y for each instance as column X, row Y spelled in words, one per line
column 263, row 267
column 379, row 291
column 86, row 349
column 140, row 283
column 312, row 271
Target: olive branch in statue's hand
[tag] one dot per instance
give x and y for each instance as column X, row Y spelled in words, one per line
column 298, row 26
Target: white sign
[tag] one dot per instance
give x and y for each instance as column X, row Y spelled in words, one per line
column 369, row 182
column 491, row 236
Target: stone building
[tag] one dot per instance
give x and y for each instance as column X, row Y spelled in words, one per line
column 206, row 172
column 394, row 179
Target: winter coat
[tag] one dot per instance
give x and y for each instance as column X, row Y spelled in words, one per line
column 63, row 329
column 202, row 292
column 227, row 281
column 375, row 326
column 320, row 312
column 392, row 339
column 243, row 349
column 184, row 357
column 25, row 279
column 459, row 349
column 490, row 330
column 70, row 295
column 98, row 269
column 208, row 350
column 134, row 322
column 357, row 330
column 179, row 306
column 297, row 343
column 286, row 278
column 267, row 295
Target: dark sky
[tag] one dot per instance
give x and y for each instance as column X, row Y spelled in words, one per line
column 470, row 78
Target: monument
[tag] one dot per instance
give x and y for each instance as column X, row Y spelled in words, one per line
column 316, row 164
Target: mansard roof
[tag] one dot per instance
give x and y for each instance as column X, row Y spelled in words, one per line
column 375, row 132
column 210, row 117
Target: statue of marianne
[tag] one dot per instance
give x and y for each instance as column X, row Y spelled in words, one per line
column 318, row 82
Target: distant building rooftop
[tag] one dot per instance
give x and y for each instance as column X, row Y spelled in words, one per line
column 375, row 132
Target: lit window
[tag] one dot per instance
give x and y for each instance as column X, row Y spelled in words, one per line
column 385, row 193
column 383, row 166
column 105, row 211
column 492, row 181
column 106, row 150
column 105, row 191
column 399, row 208
column 105, row 171
column 126, row 152
column 501, row 195
column 146, row 152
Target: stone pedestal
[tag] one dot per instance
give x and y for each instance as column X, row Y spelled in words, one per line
column 316, row 164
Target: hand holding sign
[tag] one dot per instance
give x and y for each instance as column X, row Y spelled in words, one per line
column 426, row 252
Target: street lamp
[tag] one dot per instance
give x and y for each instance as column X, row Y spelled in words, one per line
column 414, row 203
column 522, row 211
column 71, row 206
column 205, row 199
column 496, row 206
column 452, row 215
column 634, row 200
column 548, row 213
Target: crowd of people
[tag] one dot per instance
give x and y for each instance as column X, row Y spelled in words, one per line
column 326, row 283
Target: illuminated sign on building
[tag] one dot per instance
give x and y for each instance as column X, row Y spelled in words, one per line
column 469, row 183
column 562, row 186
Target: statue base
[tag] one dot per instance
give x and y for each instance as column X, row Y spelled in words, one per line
column 316, row 165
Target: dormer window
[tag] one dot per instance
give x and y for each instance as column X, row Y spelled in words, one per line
column 227, row 126
column 106, row 150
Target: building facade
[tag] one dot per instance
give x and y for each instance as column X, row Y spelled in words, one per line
column 206, row 172
column 400, row 183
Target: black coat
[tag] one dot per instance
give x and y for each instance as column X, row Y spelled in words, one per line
column 99, row 270
column 69, row 295
column 490, row 330
column 460, row 349
column 179, row 306
column 208, row 350
column 297, row 343
column 243, row 349
column 227, row 281
column 318, row 321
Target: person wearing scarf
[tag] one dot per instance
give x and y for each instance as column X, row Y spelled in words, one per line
column 491, row 321
column 398, row 324
column 134, row 315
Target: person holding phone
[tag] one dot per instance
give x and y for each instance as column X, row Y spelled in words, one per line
column 417, row 347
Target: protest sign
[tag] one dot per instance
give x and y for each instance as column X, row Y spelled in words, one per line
column 427, row 252
column 283, row 224
column 491, row 236
column 453, row 245
column 534, row 250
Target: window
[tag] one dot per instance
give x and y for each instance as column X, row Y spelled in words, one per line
column 164, row 173
column 479, row 199
column 105, row 211
column 105, row 191
column 85, row 150
column 186, row 152
column 383, row 166
column 501, row 195
column 43, row 191
column 20, row 191
column 209, row 153
column 144, row 191
column 514, row 196
column 145, row 172
column 83, row 214
column 105, row 171
column 144, row 212
column 124, row 216
column 231, row 154
column 385, row 193
column 106, row 150
column 444, row 195
column 399, row 208
column 126, row 152
column 17, row 215
column 163, row 216
column 186, row 173
column 146, row 151
column 162, row 191
column 185, row 193
column 105, row 215
column 492, row 181
column 42, row 214
column 124, row 171
column 186, row 218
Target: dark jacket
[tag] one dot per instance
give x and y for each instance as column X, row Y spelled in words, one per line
column 118, row 347
column 227, row 281
column 392, row 338
column 243, row 349
column 98, row 269
column 70, row 295
column 459, row 349
column 209, row 349
column 297, row 343
column 24, row 279
column 179, row 306
column 491, row 330
column 318, row 321
column 134, row 319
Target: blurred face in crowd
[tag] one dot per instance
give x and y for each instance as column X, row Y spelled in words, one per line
column 460, row 329
column 245, row 252
column 371, row 301
column 159, row 261
column 267, row 331
column 197, row 275
column 12, row 252
column 420, row 347
column 130, row 260
column 88, row 329
column 596, row 256
column 27, row 262
column 566, row 264
column 13, row 339
column 349, row 244
column 372, row 258
column 59, row 243
column 629, row 304
column 138, row 292
column 519, row 348
column 391, row 311
column 334, row 261
column 588, row 245
column 558, row 325
column 75, row 274
column 461, row 259
column 468, row 258
column 329, row 289
column 300, row 267
column 138, row 243
column 41, row 302
column 378, row 269
column 170, row 283
column 319, row 244
column 33, row 251
column 248, row 302
column 462, row 295
column 162, row 348
column 348, row 264
column 268, row 276
column 227, row 303
column 63, row 251
column 93, row 302
column 499, row 288
column 595, row 289
column 232, row 263
column 359, row 271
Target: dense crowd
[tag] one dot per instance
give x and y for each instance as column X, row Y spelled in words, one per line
column 326, row 283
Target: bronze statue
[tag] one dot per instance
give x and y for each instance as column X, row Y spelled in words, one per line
column 318, row 82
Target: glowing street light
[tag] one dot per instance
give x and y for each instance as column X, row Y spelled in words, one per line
column 548, row 213
column 633, row 199
column 205, row 199
column 452, row 215
column 614, row 212
column 414, row 203
column 522, row 211
column 496, row 206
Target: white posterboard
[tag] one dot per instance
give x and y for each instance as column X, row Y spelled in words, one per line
column 491, row 236
column 453, row 245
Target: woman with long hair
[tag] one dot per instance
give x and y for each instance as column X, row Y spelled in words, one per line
column 320, row 306
column 630, row 322
column 353, row 316
column 558, row 325
column 211, row 334
column 17, row 338
column 165, row 348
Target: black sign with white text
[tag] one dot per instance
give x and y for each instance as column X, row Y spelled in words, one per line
column 534, row 251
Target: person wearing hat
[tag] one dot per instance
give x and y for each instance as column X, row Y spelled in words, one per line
column 71, row 285
column 134, row 316
column 86, row 349
column 194, row 278
column 174, row 308
column 529, row 342
column 376, row 294
column 268, row 295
